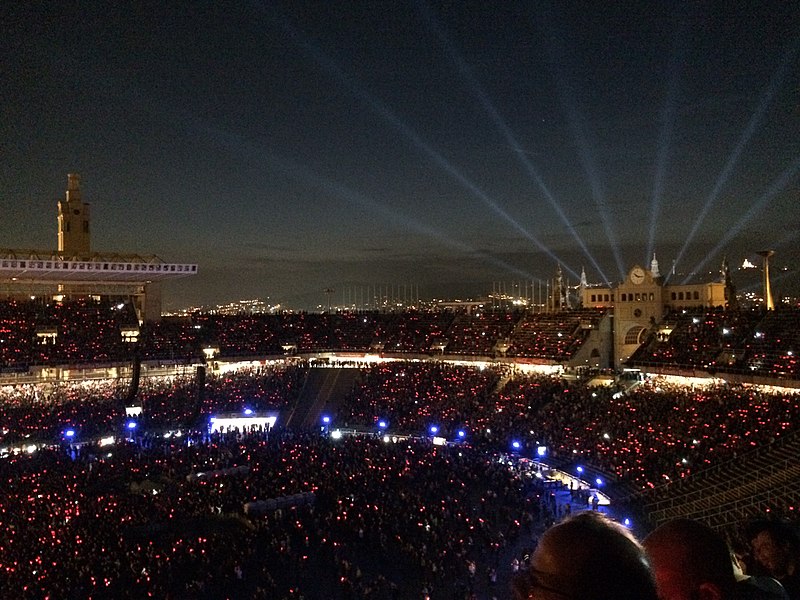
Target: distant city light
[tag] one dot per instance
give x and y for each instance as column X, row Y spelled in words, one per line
column 462, row 433
column 70, row 433
column 598, row 481
column 326, row 419
column 580, row 469
column 541, row 450
column 383, row 424
column 131, row 425
column 248, row 411
column 434, row 429
column 516, row 445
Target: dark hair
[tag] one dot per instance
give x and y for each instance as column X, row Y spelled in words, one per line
column 601, row 560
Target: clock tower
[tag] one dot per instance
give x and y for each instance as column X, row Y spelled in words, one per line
column 638, row 306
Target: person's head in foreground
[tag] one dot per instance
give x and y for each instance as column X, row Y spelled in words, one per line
column 587, row 557
column 776, row 548
column 691, row 562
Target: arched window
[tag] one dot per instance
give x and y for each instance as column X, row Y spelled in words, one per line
column 634, row 335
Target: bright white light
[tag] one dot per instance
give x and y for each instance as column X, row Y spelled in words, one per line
column 230, row 422
column 541, row 450
column 106, row 441
column 336, row 434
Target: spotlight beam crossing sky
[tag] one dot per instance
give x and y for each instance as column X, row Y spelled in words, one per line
column 290, row 147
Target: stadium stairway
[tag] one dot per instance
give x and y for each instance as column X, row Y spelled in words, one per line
column 323, row 387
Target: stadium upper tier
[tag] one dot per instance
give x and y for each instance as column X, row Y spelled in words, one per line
column 749, row 342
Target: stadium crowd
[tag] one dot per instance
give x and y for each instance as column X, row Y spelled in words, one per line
column 396, row 520
column 298, row 514
column 43, row 412
column 33, row 332
column 653, row 433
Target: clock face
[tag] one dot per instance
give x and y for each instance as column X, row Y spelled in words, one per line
column 637, row 275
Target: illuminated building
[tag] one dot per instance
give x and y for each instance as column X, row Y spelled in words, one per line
column 642, row 300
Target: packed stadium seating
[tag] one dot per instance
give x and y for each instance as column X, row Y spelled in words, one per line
column 166, row 517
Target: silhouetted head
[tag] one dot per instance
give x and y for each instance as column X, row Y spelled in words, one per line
column 587, row 557
column 691, row 562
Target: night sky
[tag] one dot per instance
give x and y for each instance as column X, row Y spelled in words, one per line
column 289, row 147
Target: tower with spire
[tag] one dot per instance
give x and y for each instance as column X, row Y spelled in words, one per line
column 654, row 267
column 582, row 286
column 730, row 288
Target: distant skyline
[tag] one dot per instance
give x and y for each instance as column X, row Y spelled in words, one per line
column 290, row 147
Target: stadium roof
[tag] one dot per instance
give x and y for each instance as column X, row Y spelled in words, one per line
column 32, row 265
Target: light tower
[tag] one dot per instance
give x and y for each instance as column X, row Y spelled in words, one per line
column 768, row 302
